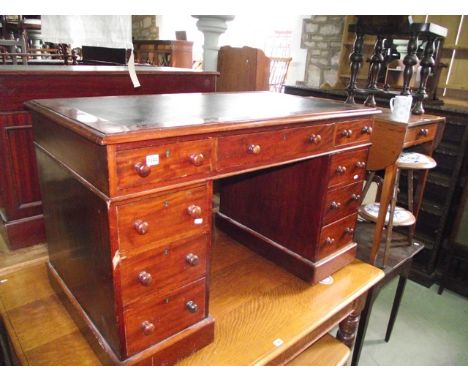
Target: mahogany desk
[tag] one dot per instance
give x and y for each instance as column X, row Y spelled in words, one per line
column 253, row 301
column 21, row 218
column 127, row 187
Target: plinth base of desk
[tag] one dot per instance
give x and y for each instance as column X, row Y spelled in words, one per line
column 23, row 233
column 309, row 271
column 166, row 352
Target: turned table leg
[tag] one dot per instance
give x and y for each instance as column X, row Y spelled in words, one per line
column 356, row 61
column 410, row 60
column 375, row 65
column 427, row 63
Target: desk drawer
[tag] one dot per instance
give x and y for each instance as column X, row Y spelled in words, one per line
column 347, row 167
column 420, row 134
column 248, row 150
column 336, row 235
column 155, row 221
column 159, row 317
column 163, row 164
column 353, row 132
column 164, row 269
column 342, row 202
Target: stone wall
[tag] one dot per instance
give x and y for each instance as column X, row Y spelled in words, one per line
column 321, row 36
column 144, row 27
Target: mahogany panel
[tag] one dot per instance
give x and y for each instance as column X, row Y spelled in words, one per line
column 336, row 235
column 163, row 269
column 353, row 132
column 156, row 318
column 23, row 232
column 164, row 218
column 341, row 202
column 348, row 167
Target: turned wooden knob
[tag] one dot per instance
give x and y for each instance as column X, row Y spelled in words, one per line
column 191, row 306
column 197, row 159
column 347, row 133
column 349, row 230
column 194, row 211
column 361, row 164
column 254, row 149
column 315, row 138
column 366, row 130
column 147, row 327
column 340, row 169
column 140, row 226
column 355, row 197
column 335, row 205
column 142, row 169
column 145, row 278
column 192, row 259
column 423, row 132
column 329, row 240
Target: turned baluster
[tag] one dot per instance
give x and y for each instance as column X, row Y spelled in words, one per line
column 427, row 63
column 374, row 69
column 387, row 57
column 356, row 61
column 410, row 60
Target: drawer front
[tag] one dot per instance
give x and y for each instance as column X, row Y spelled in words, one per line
column 163, row 164
column 347, row 167
column 159, row 220
column 336, row 235
column 262, row 148
column 164, row 269
column 353, row 132
column 420, row 134
column 158, row 318
column 341, row 202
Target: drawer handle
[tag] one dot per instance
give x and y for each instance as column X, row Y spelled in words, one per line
column 340, row 170
column 361, row 164
column 315, row 138
column 330, row 240
column 145, row 278
column 142, row 169
column 423, row 132
column 194, row 211
column 140, row 226
column 366, row 130
column 346, row 133
column 147, row 327
column 192, row 259
column 355, row 197
column 197, row 159
column 349, row 230
column 254, row 149
column 335, row 205
column 192, row 306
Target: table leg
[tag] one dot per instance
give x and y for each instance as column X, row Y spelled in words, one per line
column 386, row 195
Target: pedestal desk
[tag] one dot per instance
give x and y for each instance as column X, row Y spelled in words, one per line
column 21, row 219
column 128, row 181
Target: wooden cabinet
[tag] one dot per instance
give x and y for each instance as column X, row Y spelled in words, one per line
column 174, row 53
column 134, row 257
column 21, row 212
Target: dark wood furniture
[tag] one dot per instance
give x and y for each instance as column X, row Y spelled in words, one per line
column 443, row 192
column 253, row 301
column 175, row 53
column 127, row 185
column 20, row 202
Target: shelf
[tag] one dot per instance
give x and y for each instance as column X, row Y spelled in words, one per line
column 447, row 149
column 439, row 179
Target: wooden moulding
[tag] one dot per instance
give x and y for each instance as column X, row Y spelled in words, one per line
column 307, row 270
column 166, row 352
column 22, row 233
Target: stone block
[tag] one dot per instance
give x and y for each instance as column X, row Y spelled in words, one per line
column 330, row 29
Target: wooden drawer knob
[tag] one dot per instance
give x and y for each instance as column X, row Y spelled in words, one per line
column 142, row 169
column 140, row 226
column 147, row 327
column 335, row 205
column 361, row 164
column 254, row 149
column 315, row 138
column 340, row 170
column 194, row 211
column 349, row 230
column 191, row 306
column 366, row 130
column 346, row 133
column 423, row 132
column 329, row 240
column 192, row 259
column 355, row 197
column 145, row 278
column 197, row 159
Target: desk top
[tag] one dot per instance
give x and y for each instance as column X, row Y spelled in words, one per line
column 254, row 303
column 128, row 118
column 413, row 120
